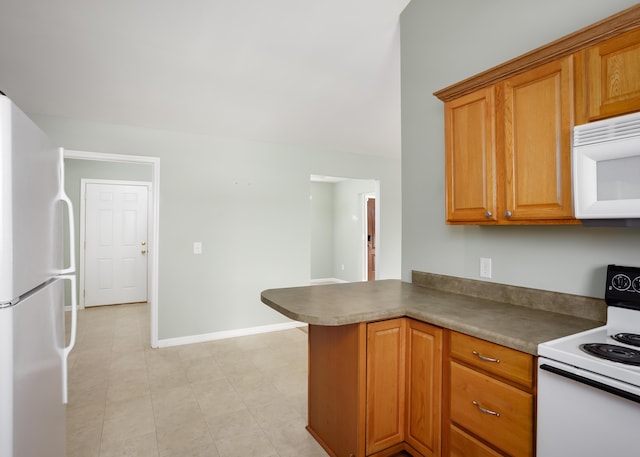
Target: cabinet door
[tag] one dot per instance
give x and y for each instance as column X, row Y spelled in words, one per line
column 385, row 384
column 470, row 161
column 424, row 387
column 612, row 70
column 538, row 107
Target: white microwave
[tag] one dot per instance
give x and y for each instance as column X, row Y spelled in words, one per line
column 606, row 169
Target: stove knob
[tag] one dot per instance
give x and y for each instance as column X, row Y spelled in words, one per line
column 621, row 282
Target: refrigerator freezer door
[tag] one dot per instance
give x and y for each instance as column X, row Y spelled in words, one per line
column 33, row 414
column 30, row 210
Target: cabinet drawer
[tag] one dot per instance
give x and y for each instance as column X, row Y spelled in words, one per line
column 497, row 412
column 463, row 445
column 507, row 363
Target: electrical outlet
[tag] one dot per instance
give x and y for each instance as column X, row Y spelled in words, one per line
column 485, row 267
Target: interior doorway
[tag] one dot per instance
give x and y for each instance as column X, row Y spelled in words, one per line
column 153, row 221
column 339, row 228
column 371, row 236
column 113, row 237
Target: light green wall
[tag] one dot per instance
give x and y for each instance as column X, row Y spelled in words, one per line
column 348, row 245
column 248, row 203
column 321, row 202
column 443, row 43
column 337, row 225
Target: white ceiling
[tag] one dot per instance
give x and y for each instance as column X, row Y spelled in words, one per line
column 324, row 73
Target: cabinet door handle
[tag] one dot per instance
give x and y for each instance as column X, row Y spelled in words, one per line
column 484, row 357
column 485, row 410
column 488, row 214
column 507, row 213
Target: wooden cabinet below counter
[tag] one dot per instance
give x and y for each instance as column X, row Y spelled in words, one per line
column 490, row 399
column 375, row 388
column 404, row 387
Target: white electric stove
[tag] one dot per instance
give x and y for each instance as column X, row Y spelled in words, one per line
column 589, row 383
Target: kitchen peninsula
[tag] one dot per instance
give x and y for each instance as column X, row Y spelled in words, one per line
column 385, row 357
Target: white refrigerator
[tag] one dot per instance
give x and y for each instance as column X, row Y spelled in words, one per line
column 33, row 347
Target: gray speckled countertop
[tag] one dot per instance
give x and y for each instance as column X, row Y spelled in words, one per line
column 515, row 326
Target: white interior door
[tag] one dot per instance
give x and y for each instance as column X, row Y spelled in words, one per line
column 115, row 243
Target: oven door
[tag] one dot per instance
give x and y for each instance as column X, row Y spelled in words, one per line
column 582, row 413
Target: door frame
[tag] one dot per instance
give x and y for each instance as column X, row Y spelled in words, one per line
column 363, row 205
column 83, row 213
column 153, row 224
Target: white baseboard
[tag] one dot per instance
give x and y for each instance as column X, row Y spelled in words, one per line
column 203, row 338
column 67, row 308
column 327, row 281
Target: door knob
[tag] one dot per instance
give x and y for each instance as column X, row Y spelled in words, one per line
column 144, row 251
column 144, row 243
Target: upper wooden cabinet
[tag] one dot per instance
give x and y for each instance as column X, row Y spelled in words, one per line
column 508, row 129
column 470, row 145
column 612, row 77
column 508, row 150
column 537, row 120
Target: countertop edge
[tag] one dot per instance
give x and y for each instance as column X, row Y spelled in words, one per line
column 517, row 327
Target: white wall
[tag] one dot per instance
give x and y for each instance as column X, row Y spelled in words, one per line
column 248, row 203
column 443, row 43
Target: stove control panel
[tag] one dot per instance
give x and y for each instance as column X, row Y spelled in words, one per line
column 623, row 286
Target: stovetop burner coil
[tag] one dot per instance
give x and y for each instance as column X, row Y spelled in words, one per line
column 632, row 339
column 613, row 352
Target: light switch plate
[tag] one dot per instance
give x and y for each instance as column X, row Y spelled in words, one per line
column 197, row 247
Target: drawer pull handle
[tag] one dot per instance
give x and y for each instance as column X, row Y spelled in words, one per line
column 484, row 357
column 485, row 410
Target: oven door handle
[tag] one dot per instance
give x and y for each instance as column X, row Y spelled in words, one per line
column 590, row 382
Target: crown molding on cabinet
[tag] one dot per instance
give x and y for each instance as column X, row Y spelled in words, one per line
column 613, row 25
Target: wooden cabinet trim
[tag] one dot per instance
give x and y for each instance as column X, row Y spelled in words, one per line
column 567, row 45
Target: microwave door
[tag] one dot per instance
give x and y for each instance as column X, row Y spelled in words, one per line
column 606, row 166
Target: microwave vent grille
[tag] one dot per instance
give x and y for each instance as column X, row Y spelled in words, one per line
column 616, row 128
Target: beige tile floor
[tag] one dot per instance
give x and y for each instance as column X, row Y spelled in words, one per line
column 242, row 396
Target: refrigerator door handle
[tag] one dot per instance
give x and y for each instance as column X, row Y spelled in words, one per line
column 72, row 336
column 65, row 198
